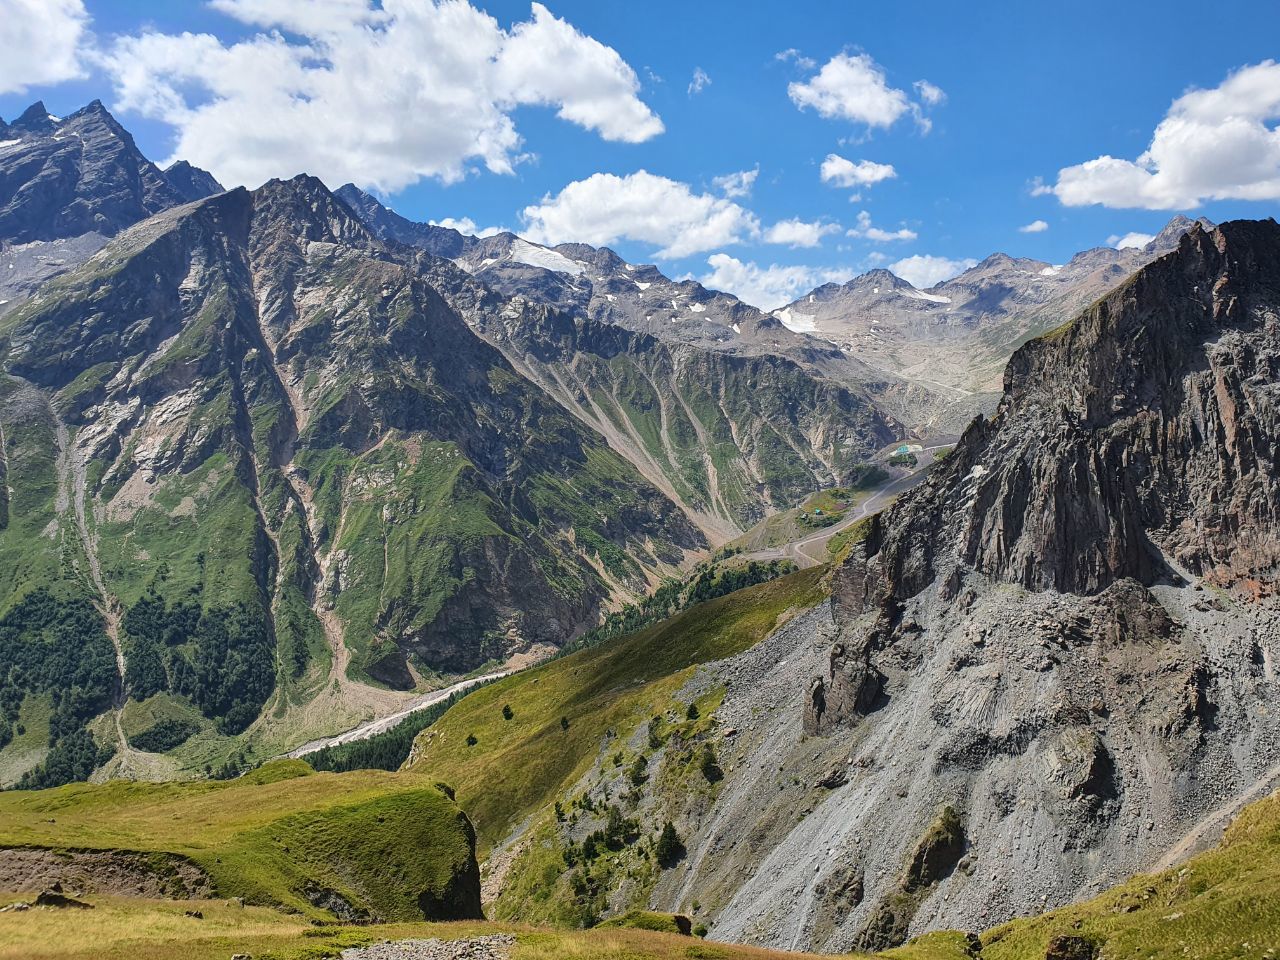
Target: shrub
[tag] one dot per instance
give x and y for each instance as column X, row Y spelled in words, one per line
column 471, row 740
column 669, row 848
column 708, row 764
column 507, row 714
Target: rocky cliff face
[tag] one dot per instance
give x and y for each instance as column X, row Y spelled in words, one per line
column 1136, row 442
column 1049, row 666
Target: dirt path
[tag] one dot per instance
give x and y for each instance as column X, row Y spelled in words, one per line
column 1209, row 829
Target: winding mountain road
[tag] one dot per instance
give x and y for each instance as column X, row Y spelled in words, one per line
column 811, row 551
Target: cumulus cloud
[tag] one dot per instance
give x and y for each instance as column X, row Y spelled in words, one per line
column 1133, row 239
column 699, row 82
column 41, row 42
column 641, row 206
column 841, row 172
column 379, row 94
column 1035, row 226
column 466, row 225
column 765, row 287
column 854, row 87
column 923, row 271
column 800, row 233
column 735, row 185
column 868, row 231
column 1218, row 144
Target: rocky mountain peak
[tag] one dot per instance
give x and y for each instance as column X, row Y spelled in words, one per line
column 1167, row 238
column 34, row 120
column 878, row 277
column 386, row 224
column 72, row 177
column 305, row 208
column 191, row 182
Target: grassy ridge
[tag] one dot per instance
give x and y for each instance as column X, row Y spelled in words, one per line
column 562, row 710
column 377, row 839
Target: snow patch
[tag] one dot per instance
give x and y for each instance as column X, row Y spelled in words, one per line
column 524, row 252
column 1051, row 271
column 921, row 295
column 627, row 266
column 736, row 328
column 978, row 471
column 53, row 118
column 5, row 144
column 797, row 322
column 697, row 307
column 642, row 286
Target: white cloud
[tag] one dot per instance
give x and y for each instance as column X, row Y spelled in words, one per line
column 1216, row 144
column 699, row 82
column 735, row 185
column 605, row 208
column 801, row 61
column 41, row 42
column 765, row 287
column 868, row 231
column 840, row 172
column 466, row 225
column 800, row 233
column 854, row 87
column 1035, row 226
column 1129, row 240
column 930, row 93
column 923, row 272
column 381, row 95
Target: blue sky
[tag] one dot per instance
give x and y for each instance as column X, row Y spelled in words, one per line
column 1027, row 89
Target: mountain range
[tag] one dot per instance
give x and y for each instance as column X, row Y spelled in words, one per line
column 278, row 466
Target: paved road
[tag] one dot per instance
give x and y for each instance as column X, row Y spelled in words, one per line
column 382, row 724
column 812, row 550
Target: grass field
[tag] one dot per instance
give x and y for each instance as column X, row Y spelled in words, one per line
column 378, row 839
column 158, row 930
column 562, row 710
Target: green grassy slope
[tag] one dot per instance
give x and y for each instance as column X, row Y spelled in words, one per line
column 517, row 767
column 377, row 839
